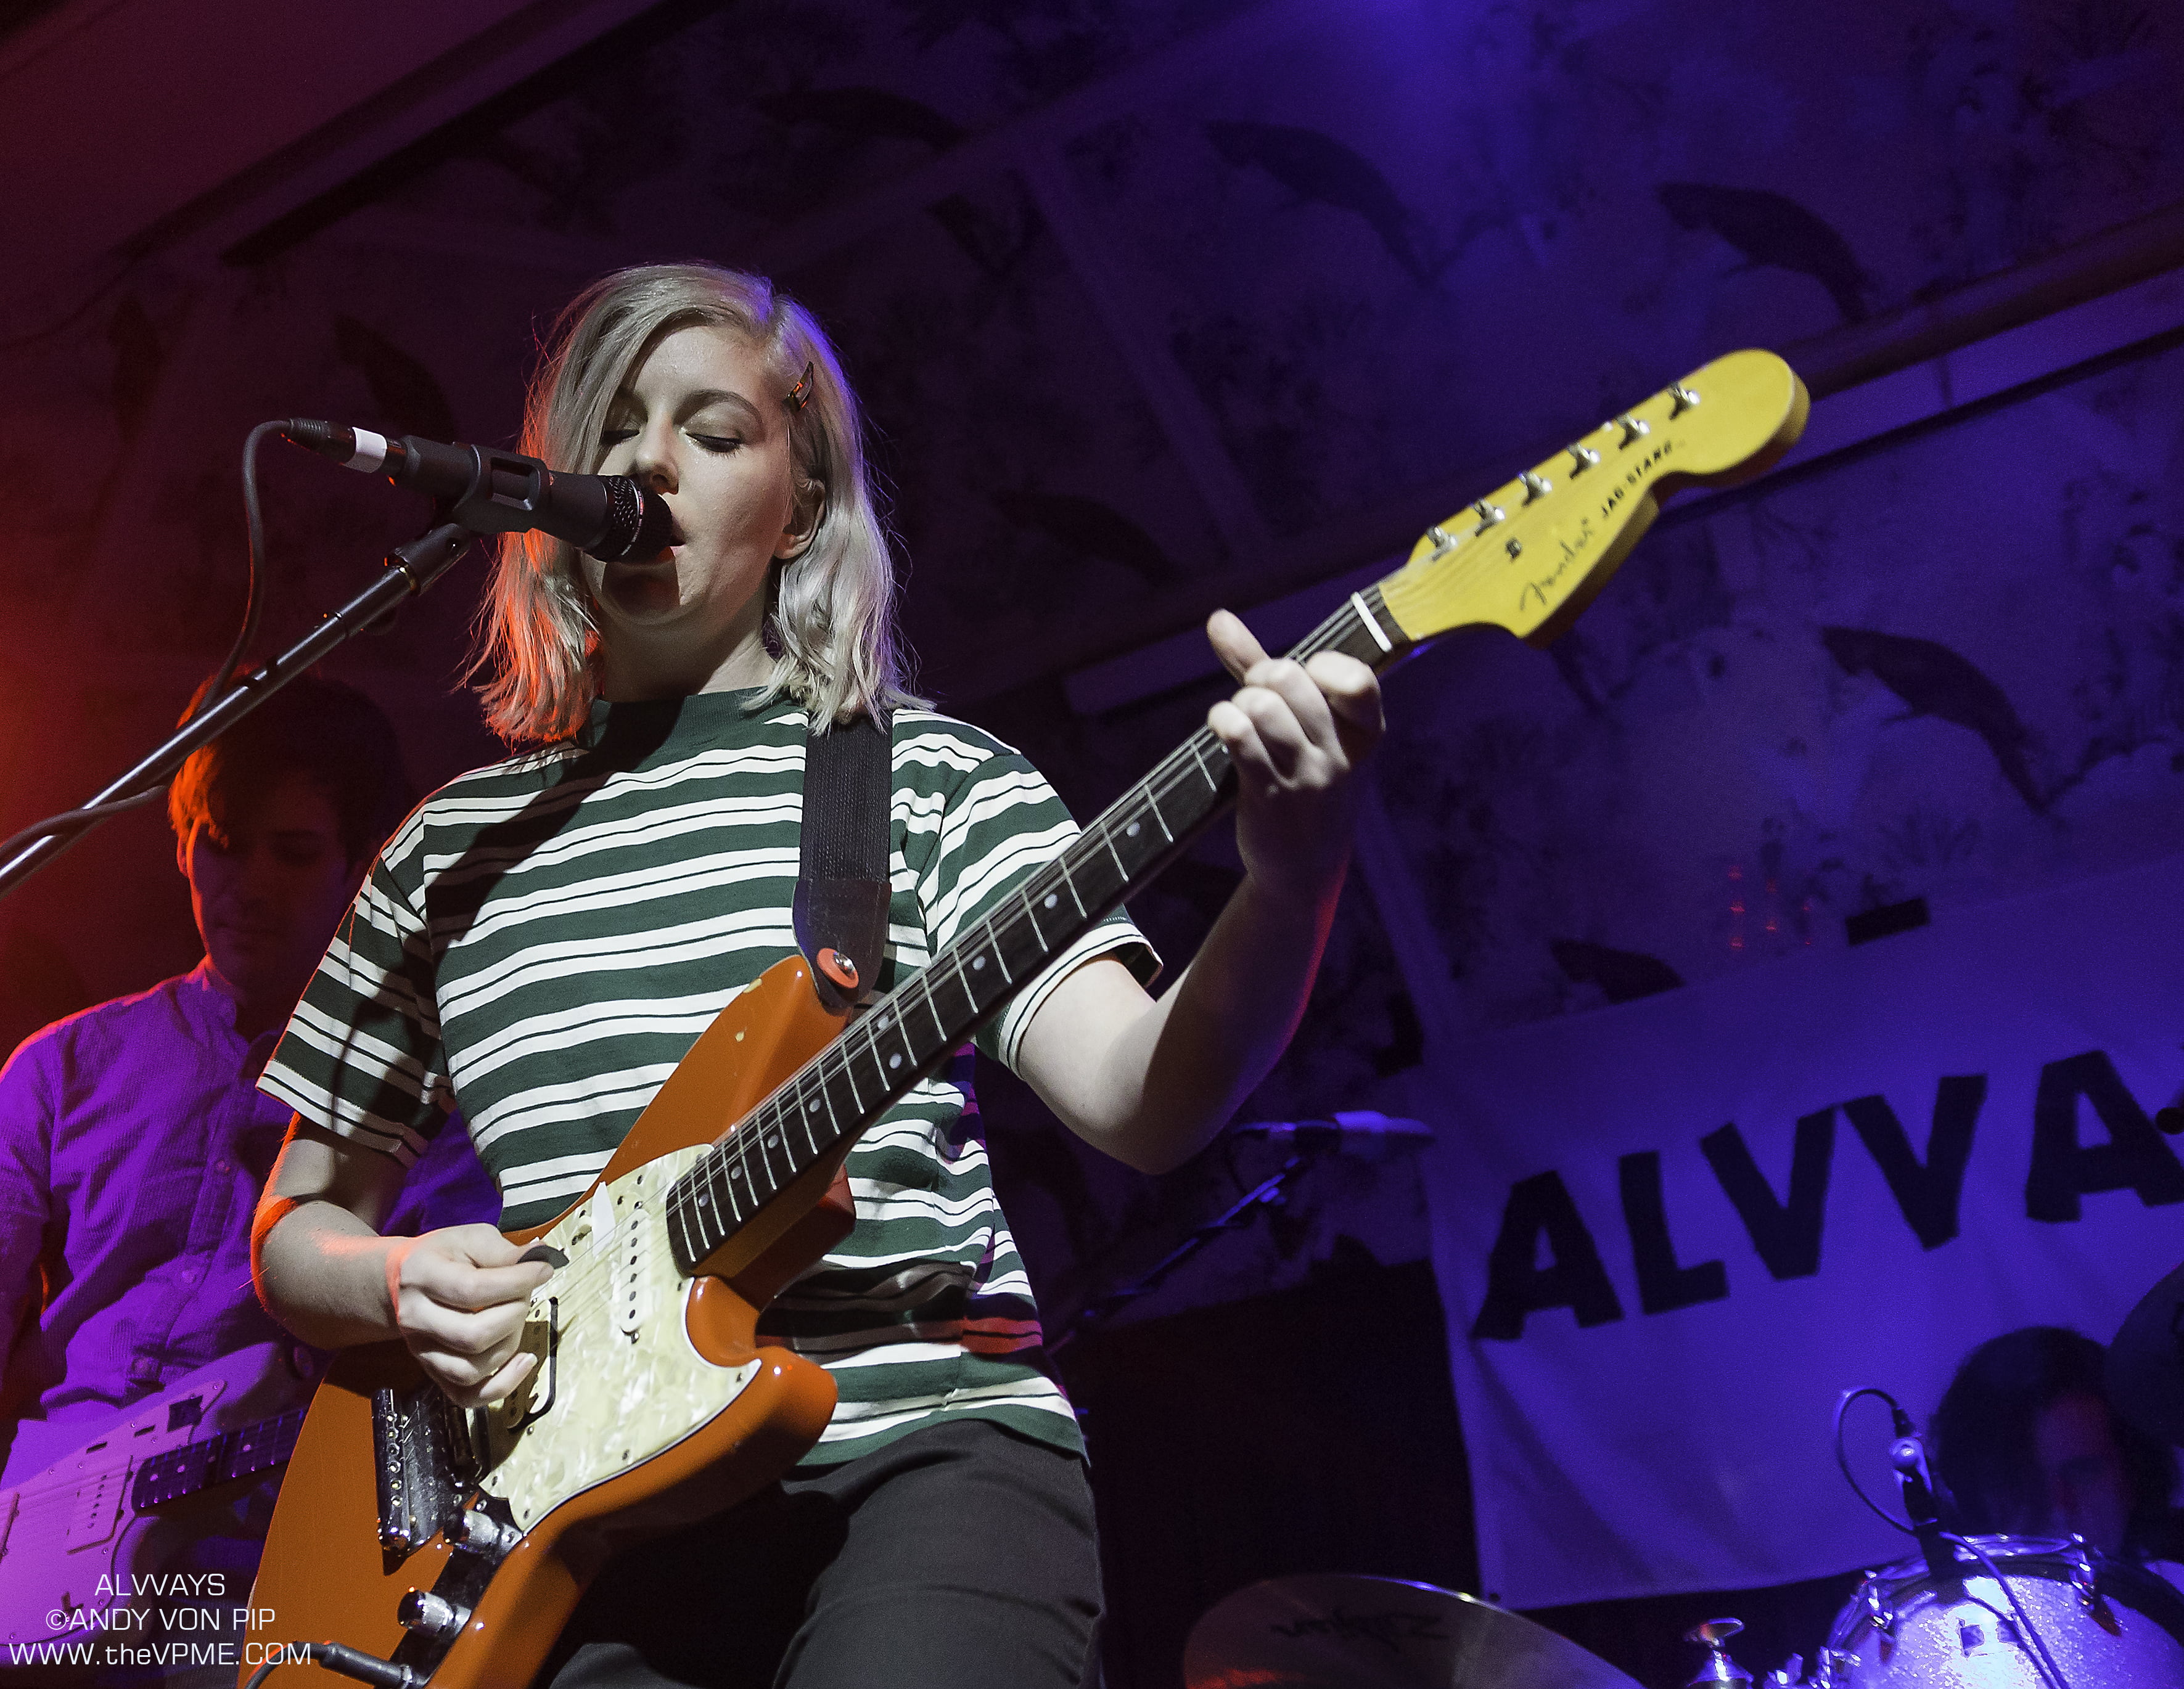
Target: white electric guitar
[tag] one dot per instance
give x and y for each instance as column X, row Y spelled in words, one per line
column 69, row 1536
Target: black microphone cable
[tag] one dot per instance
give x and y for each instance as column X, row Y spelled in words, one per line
column 70, row 822
column 2043, row 1663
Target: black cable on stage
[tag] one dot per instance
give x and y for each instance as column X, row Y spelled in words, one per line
column 1843, row 1459
column 334, row 1657
column 70, row 821
column 253, row 603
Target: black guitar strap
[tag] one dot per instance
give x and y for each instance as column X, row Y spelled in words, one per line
column 842, row 885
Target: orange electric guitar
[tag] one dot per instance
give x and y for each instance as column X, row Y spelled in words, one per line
column 453, row 1544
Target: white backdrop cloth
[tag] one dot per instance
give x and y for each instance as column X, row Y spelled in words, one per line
column 1688, row 1448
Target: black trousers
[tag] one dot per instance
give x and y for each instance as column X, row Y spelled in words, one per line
column 960, row 1557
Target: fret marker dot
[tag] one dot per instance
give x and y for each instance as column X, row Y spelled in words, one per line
column 894, row 1061
column 977, row 962
column 1130, row 831
column 1051, row 900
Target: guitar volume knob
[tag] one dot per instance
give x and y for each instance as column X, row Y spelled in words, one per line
column 434, row 1614
column 483, row 1534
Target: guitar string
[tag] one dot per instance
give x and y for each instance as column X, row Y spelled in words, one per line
column 832, row 1067
column 991, row 934
column 600, row 1277
column 721, row 1162
column 734, row 1157
column 994, row 933
column 1182, row 767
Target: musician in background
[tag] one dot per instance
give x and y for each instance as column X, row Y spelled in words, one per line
column 2026, row 1441
column 545, row 937
column 134, row 1143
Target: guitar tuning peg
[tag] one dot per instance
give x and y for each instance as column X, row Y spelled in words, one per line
column 1582, row 458
column 1682, row 399
column 1535, row 485
column 1488, row 512
column 1634, row 429
column 1441, row 541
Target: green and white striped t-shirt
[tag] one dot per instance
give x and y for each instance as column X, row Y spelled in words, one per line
column 544, row 938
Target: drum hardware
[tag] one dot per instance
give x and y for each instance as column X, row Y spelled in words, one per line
column 2084, row 1578
column 1974, row 1611
column 1325, row 1631
column 1873, row 1596
column 1714, row 1636
column 2009, row 1609
column 1881, row 1603
column 1786, row 1675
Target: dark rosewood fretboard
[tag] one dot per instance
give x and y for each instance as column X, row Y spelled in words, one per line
column 216, row 1460
column 908, row 1033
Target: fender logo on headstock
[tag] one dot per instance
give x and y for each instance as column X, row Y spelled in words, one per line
column 1723, row 425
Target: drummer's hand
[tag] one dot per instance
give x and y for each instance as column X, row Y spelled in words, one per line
column 459, row 1296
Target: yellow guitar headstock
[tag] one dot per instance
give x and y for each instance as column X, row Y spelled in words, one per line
column 1532, row 554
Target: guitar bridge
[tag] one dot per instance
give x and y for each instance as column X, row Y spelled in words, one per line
column 425, row 1465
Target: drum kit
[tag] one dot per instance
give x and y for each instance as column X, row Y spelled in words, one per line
column 1981, row 1612
column 2033, row 1613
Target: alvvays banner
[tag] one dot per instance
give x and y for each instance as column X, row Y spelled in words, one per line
column 1669, row 1233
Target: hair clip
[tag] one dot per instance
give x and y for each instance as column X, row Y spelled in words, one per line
column 799, row 396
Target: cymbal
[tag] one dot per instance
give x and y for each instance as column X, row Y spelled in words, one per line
column 1331, row 1631
column 2145, row 1372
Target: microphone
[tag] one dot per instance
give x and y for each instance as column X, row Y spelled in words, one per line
column 608, row 517
column 1922, row 1494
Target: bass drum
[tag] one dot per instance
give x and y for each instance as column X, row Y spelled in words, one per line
column 2107, row 1624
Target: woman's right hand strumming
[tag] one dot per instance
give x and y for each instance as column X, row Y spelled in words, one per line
column 458, row 1297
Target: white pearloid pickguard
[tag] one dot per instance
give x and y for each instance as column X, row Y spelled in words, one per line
column 626, row 1384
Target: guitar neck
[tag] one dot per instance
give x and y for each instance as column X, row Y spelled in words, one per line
column 1527, row 557
column 908, row 1033
column 212, row 1460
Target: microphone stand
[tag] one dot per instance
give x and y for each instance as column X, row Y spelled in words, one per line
column 1907, row 1455
column 405, row 572
column 1269, row 1194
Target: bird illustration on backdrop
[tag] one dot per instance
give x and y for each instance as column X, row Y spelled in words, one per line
column 1773, row 231
column 1089, row 528
column 1321, row 170
column 404, row 390
column 1623, row 976
column 136, row 360
column 1932, row 679
column 865, row 113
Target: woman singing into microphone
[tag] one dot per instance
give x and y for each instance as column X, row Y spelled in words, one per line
column 544, row 937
